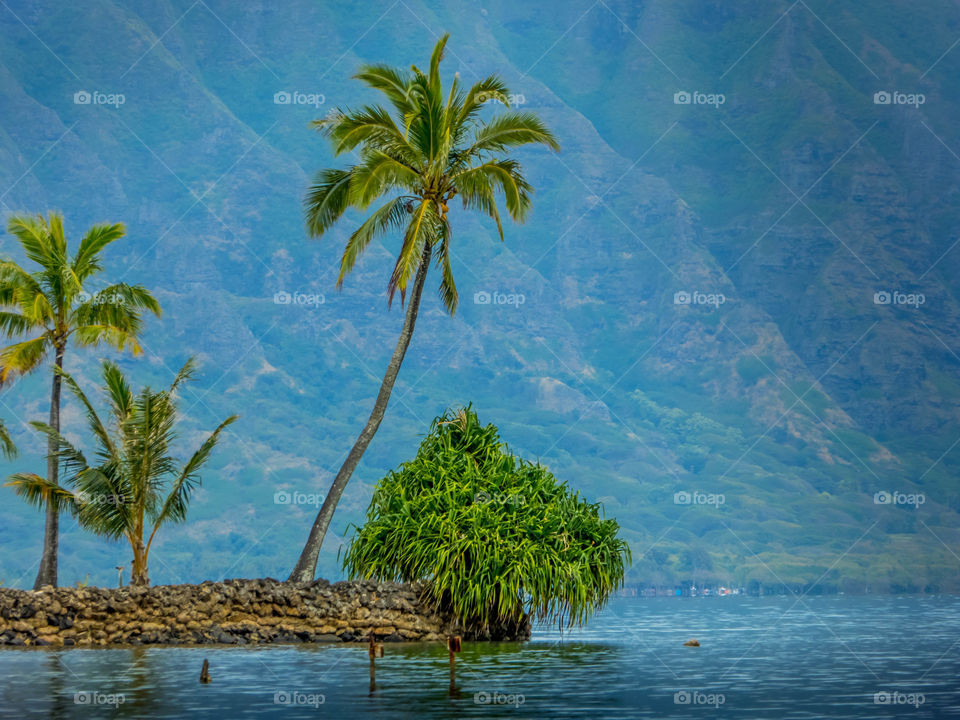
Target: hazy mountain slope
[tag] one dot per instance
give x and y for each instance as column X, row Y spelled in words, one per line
column 797, row 398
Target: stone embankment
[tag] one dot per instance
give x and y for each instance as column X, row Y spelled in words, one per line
column 233, row 612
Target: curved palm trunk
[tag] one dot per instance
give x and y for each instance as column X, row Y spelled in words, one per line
column 307, row 564
column 47, row 575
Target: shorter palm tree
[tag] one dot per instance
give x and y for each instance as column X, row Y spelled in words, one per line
column 136, row 482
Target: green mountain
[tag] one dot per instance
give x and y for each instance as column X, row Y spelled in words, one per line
column 737, row 280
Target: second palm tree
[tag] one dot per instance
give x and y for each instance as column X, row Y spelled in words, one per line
column 432, row 147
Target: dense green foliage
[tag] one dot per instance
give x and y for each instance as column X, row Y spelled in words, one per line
column 495, row 536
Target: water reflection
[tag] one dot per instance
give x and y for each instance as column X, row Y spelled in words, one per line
column 828, row 657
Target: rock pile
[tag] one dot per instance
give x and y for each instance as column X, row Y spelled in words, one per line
column 234, row 611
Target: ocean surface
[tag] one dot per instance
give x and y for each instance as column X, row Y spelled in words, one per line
column 782, row 657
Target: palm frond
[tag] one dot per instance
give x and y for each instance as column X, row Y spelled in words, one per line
column 96, row 425
column 391, row 215
column 38, row 491
column 393, row 83
column 33, row 232
column 417, row 237
column 87, row 260
column 174, row 507
column 22, row 357
column 14, row 324
column 327, row 199
column 448, row 287
column 505, row 175
column 512, row 129
column 7, row 447
column 379, row 173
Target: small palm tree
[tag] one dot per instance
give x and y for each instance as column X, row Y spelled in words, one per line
column 137, row 485
column 7, row 448
column 431, row 147
column 44, row 309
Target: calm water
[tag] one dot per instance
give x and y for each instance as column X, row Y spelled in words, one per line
column 759, row 658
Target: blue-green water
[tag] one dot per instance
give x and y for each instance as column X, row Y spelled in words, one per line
column 759, row 658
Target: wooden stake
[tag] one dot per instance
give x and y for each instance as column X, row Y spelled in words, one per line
column 374, row 650
column 453, row 647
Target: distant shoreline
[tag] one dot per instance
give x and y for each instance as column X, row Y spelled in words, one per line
column 646, row 591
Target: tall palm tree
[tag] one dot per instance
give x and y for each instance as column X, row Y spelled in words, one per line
column 136, row 480
column 429, row 147
column 45, row 308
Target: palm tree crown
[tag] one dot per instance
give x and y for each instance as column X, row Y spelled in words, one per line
column 52, row 304
column 428, row 148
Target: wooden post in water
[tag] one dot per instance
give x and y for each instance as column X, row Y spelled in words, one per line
column 453, row 647
column 374, row 650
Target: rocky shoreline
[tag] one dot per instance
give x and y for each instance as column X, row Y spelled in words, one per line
column 233, row 612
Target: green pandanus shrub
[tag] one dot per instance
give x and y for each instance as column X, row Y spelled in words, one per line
column 497, row 540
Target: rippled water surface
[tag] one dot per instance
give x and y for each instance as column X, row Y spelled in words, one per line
column 759, row 658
